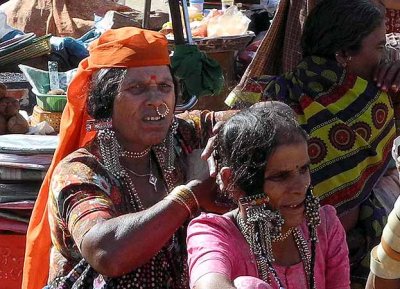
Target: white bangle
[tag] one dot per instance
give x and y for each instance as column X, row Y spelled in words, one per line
column 391, row 238
column 379, row 269
column 394, row 223
column 396, row 208
column 392, row 266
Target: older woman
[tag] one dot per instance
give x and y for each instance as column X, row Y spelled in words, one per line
column 115, row 207
column 278, row 234
column 339, row 91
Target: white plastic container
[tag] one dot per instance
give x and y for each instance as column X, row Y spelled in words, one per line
column 197, row 5
column 226, row 4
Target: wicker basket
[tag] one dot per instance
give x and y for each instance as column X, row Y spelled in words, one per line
column 52, row 118
column 39, row 46
column 221, row 44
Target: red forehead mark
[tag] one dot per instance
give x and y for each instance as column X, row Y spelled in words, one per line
column 153, row 77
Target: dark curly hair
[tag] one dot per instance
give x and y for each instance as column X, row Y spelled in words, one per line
column 105, row 86
column 339, row 25
column 247, row 140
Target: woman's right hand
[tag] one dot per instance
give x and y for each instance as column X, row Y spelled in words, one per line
column 206, row 192
column 387, row 76
column 207, row 154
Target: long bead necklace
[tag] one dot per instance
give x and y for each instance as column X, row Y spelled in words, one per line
column 264, row 262
column 152, row 178
column 110, row 152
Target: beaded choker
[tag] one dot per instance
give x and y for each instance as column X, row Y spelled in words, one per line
column 281, row 236
column 135, row 155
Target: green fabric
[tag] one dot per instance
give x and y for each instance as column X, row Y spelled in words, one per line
column 199, row 74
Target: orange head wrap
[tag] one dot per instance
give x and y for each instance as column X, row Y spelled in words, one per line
column 124, row 47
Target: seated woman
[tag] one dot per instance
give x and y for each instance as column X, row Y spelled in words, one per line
column 339, row 92
column 117, row 199
column 279, row 233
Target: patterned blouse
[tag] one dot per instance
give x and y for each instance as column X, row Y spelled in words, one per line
column 392, row 21
column 83, row 193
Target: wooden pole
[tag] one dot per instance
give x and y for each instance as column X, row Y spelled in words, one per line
column 146, row 14
column 176, row 21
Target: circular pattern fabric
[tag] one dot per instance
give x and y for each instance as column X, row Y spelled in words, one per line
column 317, row 150
column 379, row 114
column 362, row 129
column 342, row 137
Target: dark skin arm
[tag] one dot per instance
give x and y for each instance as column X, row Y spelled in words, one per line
column 119, row 245
column 392, row 4
column 111, row 247
column 375, row 282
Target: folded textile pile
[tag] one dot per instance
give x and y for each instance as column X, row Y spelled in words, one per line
column 24, row 160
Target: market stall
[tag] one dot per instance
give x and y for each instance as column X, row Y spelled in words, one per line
column 220, row 34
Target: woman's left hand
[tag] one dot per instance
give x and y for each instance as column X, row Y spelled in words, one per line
column 387, row 76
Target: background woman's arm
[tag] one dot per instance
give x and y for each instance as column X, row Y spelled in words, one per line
column 392, row 4
column 375, row 282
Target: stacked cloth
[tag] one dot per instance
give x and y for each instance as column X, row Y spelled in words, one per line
column 24, row 160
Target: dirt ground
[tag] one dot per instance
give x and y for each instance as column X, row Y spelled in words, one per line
column 155, row 4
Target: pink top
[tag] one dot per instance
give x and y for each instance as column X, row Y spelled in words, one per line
column 215, row 245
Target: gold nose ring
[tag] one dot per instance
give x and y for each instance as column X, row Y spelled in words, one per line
column 162, row 110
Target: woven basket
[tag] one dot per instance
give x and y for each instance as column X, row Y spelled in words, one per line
column 52, row 118
column 40, row 46
column 221, row 44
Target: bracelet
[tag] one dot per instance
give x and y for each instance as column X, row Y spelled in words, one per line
column 178, row 201
column 185, row 197
column 392, row 266
column 391, row 239
column 392, row 254
column 396, row 208
column 394, row 223
column 379, row 269
column 190, row 192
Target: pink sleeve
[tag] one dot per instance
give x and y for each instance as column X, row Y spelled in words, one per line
column 209, row 247
column 337, row 258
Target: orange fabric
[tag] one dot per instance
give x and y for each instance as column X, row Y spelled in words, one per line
column 124, row 47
